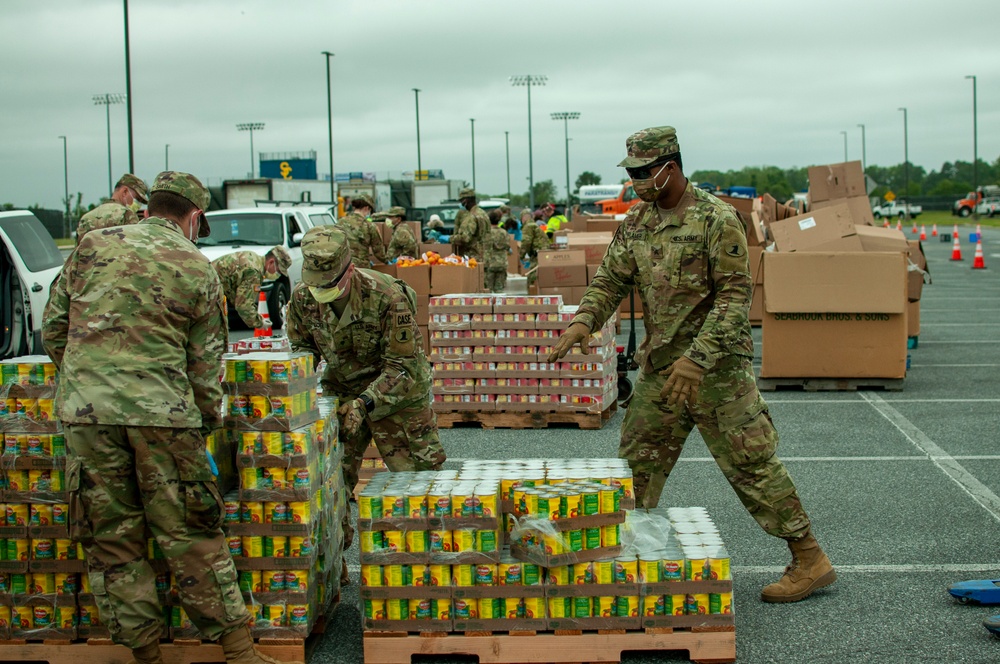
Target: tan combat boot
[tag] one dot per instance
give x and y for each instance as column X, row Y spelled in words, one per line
column 147, row 654
column 809, row 571
column 239, row 649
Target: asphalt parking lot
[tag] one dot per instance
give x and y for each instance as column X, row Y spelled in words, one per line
column 902, row 488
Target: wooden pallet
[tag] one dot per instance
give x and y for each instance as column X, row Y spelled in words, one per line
column 525, row 420
column 829, row 384
column 705, row 646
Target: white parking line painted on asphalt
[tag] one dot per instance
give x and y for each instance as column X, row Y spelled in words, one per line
column 953, row 342
column 914, row 457
column 921, row 366
column 922, row 324
column 876, row 569
column 976, row 490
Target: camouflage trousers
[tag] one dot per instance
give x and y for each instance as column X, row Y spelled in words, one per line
column 495, row 281
column 406, row 440
column 737, row 429
column 125, row 480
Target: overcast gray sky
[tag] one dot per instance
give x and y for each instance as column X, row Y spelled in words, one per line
column 771, row 82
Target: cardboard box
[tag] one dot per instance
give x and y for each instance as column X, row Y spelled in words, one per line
column 833, row 181
column 882, row 239
column 385, row 269
column 447, row 279
column 595, row 245
column 418, row 278
column 603, row 224
column 917, row 270
column 441, row 249
column 426, row 338
column 562, row 268
column 834, row 315
column 860, row 206
column 570, row 294
column 913, row 319
column 826, row 229
column 514, row 257
column 591, row 272
column 756, row 257
column 423, row 313
column 757, row 306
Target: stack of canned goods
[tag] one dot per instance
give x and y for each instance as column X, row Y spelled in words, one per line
column 264, row 367
column 537, row 473
column 270, row 385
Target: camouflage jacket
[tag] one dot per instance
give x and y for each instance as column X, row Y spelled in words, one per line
column 402, row 242
column 691, row 268
column 471, row 229
column 241, row 273
column 107, row 214
column 365, row 239
column 135, row 325
column 497, row 248
column 533, row 240
column 375, row 348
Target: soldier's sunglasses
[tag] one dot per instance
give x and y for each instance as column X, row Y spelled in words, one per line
column 645, row 172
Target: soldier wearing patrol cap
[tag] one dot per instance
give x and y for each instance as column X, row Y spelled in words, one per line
column 402, row 242
column 135, row 325
column 363, row 235
column 686, row 252
column 243, row 272
column 363, row 323
column 472, row 226
column 121, row 209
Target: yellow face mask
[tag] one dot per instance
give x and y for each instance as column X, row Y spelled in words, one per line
column 325, row 295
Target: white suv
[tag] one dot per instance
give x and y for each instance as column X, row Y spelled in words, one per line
column 257, row 230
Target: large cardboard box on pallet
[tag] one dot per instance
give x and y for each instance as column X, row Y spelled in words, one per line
column 834, row 315
column 562, row 268
column 827, row 229
column 447, row 279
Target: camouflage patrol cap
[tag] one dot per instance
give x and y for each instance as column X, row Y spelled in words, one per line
column 326, row 253
column 396, row 211
column 379, row 216
column 361, row 200
column 135, row 184
column 189, row 187
column 467, row 192
column 282, row 258
column 646, row 146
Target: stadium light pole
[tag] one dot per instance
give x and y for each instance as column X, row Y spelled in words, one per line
column 906, row 163
column 416, row 102
column 529, row 80
column 472, row 122
column 844, row 133
column 329, row 127
column 128, row 93
column 864, row 157
column 106, row 100
column 506, row 142
column 166, row 157
column 975, row 148
column 66, row 186
column 252, row 127
column 566, row 116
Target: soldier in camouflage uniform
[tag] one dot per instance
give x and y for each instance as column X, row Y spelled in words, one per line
column 121, row 209
column 402, row 242
column 363, row 235
column 497, row 249
column 241, row 274
column 135, row 325
column 533, row 240
column 363, row 323
column 686, row 252
column 472, row 226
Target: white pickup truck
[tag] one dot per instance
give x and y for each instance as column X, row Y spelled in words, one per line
column 29, row 263
column 257, row 230
column 896, row 209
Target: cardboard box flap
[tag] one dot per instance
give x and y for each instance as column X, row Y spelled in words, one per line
column 850, row 282
column 836, row 181
column 813, row 229
column 881, row 239
column 860, row 206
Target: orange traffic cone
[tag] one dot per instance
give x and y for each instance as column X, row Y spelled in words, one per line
column 954, row 230
column 956, row 250
column 885, row 224
column 899, row 224
column 923, row 232
column 934, row 231
column 977, row 262
column 265, row 330
column 979, row 233
column 914, row 231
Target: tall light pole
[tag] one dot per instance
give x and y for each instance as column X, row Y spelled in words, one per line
column 106, row 100
column 975, row 148
column 906, row 164
column 472, row 122
column 66, row 186
column 864, row 157
column 506, row 142
column 416, row 101
column 844, row 133
column 128, row 93
column 252, row 127
column 166, row 157
column 566, row 116
column 528, row 80
column 329, row 127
